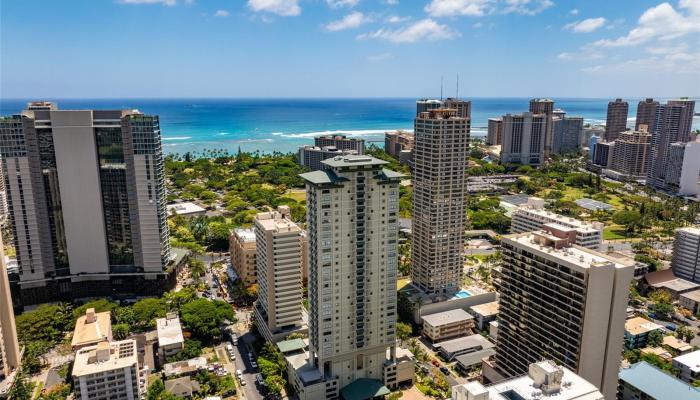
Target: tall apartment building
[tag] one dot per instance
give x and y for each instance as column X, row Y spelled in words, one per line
column 242, row 248
column 686, row 254
column 616, row 120
column 463, row 108
column 279, row 247
column 311, row 156
column 441, row 155
column 646, row 114
column 533, row 216
column 524, row 139
column 602, row 154
column 545, row 108
column 567, row 132
column 399, row 144
column 107, row 371
column 10, row 356
column 630, row 154
column 682, row 169
column 341, row 142
column 86, row 192
column 544, row 380
column 495, row 132
column 353, row 232
column 561, row 302
column 672, row 124
column 424, row 105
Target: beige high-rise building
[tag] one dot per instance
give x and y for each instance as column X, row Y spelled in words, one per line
column 107, row 371
column 440, row 162
column 545, row 108
column 523, row 138
column 631, row 154
column 279, row 253
column 242, row 249
column 353, row 234
column 646, row 114
column 10, row 357
column 495, row 132
column 561, row 302
column 616, row 120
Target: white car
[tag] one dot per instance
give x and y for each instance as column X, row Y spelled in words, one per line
column 239, row 373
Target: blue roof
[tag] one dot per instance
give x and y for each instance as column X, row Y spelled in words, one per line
column 657, row 383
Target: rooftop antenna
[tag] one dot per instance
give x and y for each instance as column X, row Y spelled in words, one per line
column 441, row 87
column 457, row 94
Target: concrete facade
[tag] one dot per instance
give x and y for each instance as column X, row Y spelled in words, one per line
column 242, row 248
column 686, row 254
column 524, row 139
column 494, row 136
column 631, row 154
column 616, row 120
column 86, row 193
column 567, row 132
column 441, row 157
column 10, row 357
column 646, row 114
column 116, row 363
column 672, row 124
column 563, row 302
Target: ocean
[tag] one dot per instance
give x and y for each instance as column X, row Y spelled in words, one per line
column 285, row 124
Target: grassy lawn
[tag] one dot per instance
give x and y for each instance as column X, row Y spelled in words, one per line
column 614, row 232
column 401, row 283
column 298, row 195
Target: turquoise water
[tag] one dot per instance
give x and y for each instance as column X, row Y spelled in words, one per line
column 285, row 124
column 462, row 294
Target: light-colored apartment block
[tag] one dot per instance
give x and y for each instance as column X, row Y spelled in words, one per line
column 91, row 329
column 688, row 366
column 353, row 234
column 108, row 371
column 524, row 138
column 279, row 255
column 10, row 356
column 447, row 325
column 630, row 155
column 441, row 154
column 170, row 338
column 87, row 193
column 686, row 254
column 243, row 249
column 544, row 380
column 563, row 302
column 533, row 216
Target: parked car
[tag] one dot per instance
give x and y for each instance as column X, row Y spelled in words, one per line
column 259, row 380
column 239, row 373
column 671, row 327
column 445, row 370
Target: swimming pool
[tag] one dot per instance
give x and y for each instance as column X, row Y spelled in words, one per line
column 462, row 294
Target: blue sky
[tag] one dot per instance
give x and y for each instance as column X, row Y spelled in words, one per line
column 349, row 48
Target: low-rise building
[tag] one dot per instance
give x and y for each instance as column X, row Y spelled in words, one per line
column 533, row 216
column 544, row 380
column 450, row 349
column 186, row 209
column 185, row 368
column 91, row 329
column 399, row 370
column 447, row 324
column 644, row 381
column 182, row 387
column 242, row 249
column 667, row 280
column 170, row 338
column 691, row 301
column 688, row 366
column 107, row 371
column 484, row 313
column 399, row 144
column 637, row 332
column 677, row 346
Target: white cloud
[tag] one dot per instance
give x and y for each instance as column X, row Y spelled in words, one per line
column 285, row 8
column 342, row 3
column 587, row 25
column 221, row 13
column 447, row 8
column 350, row 21
column 661, row 22
column 527, row 7
column 395, row 19
column 676, row 62
column 425, row 29
column 168, row 3
column 477, row 25
column 574, row 11
column 391, row 2
column 565, row 56
column 380, row 57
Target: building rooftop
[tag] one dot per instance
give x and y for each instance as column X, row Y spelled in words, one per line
column 476, row 342
column 691, row 360
column 288, row 346
column 474, row 358
column 447, row 317
column 657, row 383
column 676, row 344
column 245, row 235
column 92, row 328
column 545, row 380
column 181, row 385
column 692, row 230
column 694, row 295
column 574, row 255
column 169, row 330
column 353, row 160
column 276, row 221
column 364, row 388
column 535, row 207
column 638, row 326
column 184, row 367
column 486, row 309
column 593, row 205
column 184, row 208
column 104, row 357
